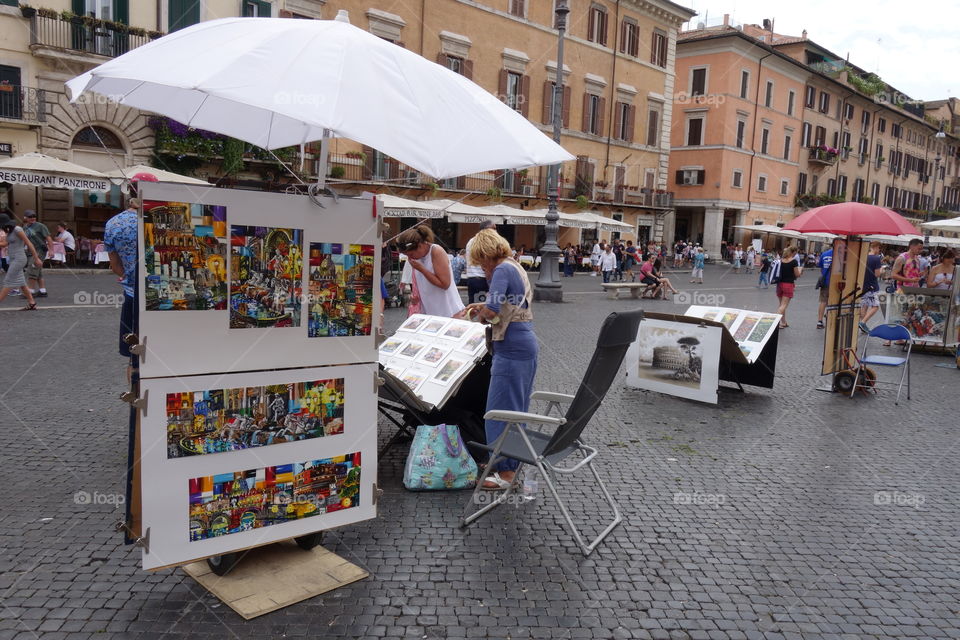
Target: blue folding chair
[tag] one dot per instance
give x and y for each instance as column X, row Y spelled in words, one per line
column 890, row 332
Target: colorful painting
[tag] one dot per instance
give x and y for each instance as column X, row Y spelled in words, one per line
column 433, row 327
column 246, row 500
column 924, row 315
column 411, row 349
column 217, row 420
column 474, row 343
column 185, row 254
column 449, row 368
column 412, row 324
column 413, row 379
column 266, row 275
column 763, row 327
column 457, row 330
column 710, row 315
column 341, row 290
column 390, row 346
column 748, row 323
column 728, row 318
column 433, row 355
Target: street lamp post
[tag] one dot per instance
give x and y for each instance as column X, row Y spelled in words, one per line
column 548, row 287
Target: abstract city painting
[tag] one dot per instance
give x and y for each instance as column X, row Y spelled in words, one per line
column 676, row 358
column 185, row 256
column 229, row 503
column 218, row 420
column 266, row 277
column 341, row 290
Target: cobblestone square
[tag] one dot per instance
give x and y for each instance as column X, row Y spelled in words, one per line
column 775, row 514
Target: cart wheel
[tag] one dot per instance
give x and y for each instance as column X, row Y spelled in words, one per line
column 868, row 379
column 310, row 540
column 222, row 565
column 844, row 380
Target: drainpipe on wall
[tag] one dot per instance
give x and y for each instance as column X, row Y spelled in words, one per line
column 613, row 94
column 423, row 11
column 897, row 175
column 872, row 149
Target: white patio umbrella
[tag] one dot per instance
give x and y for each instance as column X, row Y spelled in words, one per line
column 39, row 170
column 951, row 224
column 275, row 83
column 163, row 176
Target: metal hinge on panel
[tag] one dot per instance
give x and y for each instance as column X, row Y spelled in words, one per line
column 377, row 492
column 130, row 397
column 137, row 345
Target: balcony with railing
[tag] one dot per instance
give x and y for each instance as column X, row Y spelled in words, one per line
column 22, row 104
column 823, row 155
column 84, row 35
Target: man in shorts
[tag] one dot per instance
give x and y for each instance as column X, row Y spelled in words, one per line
column 824, row 263
column 42, row 241
column 869, row 303
column 120, row 240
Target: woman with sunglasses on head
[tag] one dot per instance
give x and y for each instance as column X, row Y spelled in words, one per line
column 432, row 273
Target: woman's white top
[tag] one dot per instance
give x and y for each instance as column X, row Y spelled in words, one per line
column 435, row 301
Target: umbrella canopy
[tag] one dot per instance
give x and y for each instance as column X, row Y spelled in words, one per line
column 275, row 83
column 780, row 231
column 39, row 170
column 851, row 219
column 397, row 207
column 163, row 176
column 953, row 224
column 904, row 240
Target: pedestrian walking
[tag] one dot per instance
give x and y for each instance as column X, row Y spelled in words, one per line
column 737, row 259
column 120, row 241
column 608, row 263
column 39, row 236
column 764, row 281
column 697, row 274
column 569, row 261
column 751, row 259
column 789, row 271
column 824, row 263
column 18, row 246
column 907, row 271
column 869, row 302
column 476, row 281
column 458, row 264
column 595, row 254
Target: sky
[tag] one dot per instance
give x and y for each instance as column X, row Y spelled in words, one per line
column 914, row 46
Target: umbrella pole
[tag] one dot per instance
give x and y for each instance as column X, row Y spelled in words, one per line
column 322, row 161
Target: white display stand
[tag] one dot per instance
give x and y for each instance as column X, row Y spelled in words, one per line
column 275, row 484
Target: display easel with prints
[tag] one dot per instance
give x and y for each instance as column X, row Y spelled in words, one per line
column 256, row 408
column 932, row 316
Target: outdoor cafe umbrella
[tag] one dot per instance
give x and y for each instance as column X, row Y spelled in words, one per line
column 275, row 83
column 851, row 219
column 39, row 170
column 952, row 224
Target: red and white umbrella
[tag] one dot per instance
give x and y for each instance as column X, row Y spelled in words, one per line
column 851, row 219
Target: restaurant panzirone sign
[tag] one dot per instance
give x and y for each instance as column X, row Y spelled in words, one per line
column 34, row 179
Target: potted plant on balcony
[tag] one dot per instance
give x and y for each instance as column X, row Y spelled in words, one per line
column 137, row 31
column 48, row 13
column 27, row 11
column 155, row 34
column 582, row 202
column 337, row 172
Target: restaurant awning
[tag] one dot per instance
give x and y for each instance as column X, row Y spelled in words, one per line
column 39, row 170
column 163, row 176
column 397, row 207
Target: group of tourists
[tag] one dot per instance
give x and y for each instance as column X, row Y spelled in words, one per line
column 23, row 248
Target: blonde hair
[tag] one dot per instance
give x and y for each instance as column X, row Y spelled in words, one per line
column 488, row 245
column 414, row 237
column 790, row 251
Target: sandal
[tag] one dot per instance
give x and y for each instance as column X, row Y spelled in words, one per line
column 819, row 324
column 30, row 307
column 500, row 483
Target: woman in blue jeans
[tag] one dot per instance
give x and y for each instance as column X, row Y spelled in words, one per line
column 515, row 349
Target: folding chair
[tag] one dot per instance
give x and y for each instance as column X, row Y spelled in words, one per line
column 547, row 452
column 889, row 332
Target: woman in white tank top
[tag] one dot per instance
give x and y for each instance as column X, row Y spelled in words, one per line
column 432, row 272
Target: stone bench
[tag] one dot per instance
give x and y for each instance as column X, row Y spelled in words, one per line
column 614, row 289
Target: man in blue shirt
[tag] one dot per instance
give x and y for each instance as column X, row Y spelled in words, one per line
column 869, row 303
column 824, row 263
column 120, row 240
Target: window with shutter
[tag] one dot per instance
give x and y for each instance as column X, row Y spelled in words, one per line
column 765, row 141
column 806, row 131
column 256, row 9
column 768, row 96
column 597, row 25
column 694, row 132
column 653, row 127
column 511, row 89
column 802, row 183
column 824, row 102
column 737, row 179
column 698, row 82
column 784, row 186
column 787, row 141
column 744, row 84
column 182, row 13
column 762, row 184
column 821, row 137
column 629, row 37
column 810, row 98
column 658, row 48
column 518, row 8
column 741, row 131
column 791, row 99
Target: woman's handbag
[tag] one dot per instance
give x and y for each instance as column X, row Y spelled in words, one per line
column 438, row 459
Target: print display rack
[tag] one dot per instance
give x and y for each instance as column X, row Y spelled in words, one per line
column 256, row 415
column 748, row 344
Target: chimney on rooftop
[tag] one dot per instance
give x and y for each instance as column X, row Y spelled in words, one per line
column 726, row 19
column 767, row 25
column 803, row 34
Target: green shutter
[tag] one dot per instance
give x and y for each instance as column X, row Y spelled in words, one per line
column 182, row 13
column 257, row 8
column 121, row 11
column 79, row 7
column 10, row 3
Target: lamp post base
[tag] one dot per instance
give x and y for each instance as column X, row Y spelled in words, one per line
column 548, row 292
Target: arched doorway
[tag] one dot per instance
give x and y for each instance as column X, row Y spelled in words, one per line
column 100, row 148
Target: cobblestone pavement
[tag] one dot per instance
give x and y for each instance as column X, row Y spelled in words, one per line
column 784, row 513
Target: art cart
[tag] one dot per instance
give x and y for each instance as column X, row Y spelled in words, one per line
column 932, row 316
column 254, row 417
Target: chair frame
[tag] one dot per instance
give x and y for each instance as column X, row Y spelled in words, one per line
column 908, row 347
column 547, row 453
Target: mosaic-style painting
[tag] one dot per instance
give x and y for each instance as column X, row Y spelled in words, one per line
column 265, row 278
column 217, row 420
column 341, row 290
column 185, row 253
column 245, row 500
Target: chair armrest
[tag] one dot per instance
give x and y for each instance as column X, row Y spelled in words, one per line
column 549, row 396
column 523, row 417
